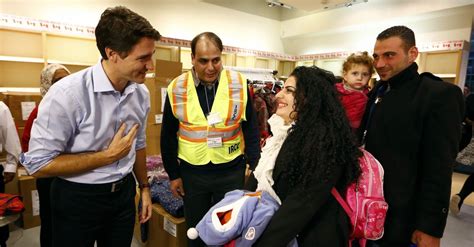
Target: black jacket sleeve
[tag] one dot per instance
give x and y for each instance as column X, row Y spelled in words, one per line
column 297, row 212
column 169, row 141
column 251, row 134
column 440, row 139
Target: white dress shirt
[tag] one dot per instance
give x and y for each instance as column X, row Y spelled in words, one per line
column 81, row 113
column 9, row 138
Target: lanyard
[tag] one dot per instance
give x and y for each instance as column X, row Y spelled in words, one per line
column 207, row 100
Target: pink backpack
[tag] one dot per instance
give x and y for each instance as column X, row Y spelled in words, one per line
column 364, row 202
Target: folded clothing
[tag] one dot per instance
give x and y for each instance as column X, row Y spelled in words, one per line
column 161, row 193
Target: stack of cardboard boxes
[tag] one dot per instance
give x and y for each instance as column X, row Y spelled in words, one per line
column 29, row 193
column 21, row 104
column 165, row 72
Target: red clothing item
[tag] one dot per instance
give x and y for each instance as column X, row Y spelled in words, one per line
column 25, row 138
column 354, row 103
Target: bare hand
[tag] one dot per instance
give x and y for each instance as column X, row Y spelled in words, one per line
column 145, row 213
column 176, row 187
column 422, row 239
column 248, row 172
column 121, row 145
column 8, row 177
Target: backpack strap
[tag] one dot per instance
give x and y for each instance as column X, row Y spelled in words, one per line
column 341, row 201
column 344, row 205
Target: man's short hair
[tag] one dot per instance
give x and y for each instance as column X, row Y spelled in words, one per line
column 404, row 33
column 120, row 29
column 209, row 36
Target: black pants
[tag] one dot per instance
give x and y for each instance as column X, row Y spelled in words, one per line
column 4, row 231
column 43, row 185
column 467, row 188
column 204, row 188
column 85, row 213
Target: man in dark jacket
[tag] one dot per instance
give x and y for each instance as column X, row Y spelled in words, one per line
column 413, row 128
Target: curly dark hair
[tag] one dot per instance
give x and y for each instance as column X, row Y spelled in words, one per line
column 320, row 141
column 120, row 29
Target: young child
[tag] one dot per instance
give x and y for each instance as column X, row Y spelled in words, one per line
column 357, row 71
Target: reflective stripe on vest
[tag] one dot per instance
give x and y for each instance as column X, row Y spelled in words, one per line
column 180, row 97
column 235, row 108
column 200, row 134
column 236, row 97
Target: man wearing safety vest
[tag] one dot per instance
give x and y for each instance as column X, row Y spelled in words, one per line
column 209, row 131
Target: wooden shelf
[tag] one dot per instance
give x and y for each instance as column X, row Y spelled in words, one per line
column 445, row 75
column 21, row 59
column 21, row 43
column 71, row 50
column 20, row 89
column 23, row 54
column 444, row 64
column 66, row 63
column 20, row 74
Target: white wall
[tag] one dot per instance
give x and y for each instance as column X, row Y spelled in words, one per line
column 343, row 29
column 355, row 28
column 181, row 19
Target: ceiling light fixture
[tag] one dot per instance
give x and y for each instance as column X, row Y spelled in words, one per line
column 271, row 3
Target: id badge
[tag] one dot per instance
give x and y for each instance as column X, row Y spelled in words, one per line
column 214, row 142
column 213, row 118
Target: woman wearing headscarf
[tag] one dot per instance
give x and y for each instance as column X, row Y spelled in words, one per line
column 49, row 75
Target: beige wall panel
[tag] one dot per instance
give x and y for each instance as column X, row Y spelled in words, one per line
column 307, row 63
column 69, row 49
column 19, row 74
column 333, row 65
column 250, row 62
column 240, row 61
column 75, row 68
column 227, row 59
column 163, row 54
column 273, row 64
column 21, row 44
column 442, row 63
column 261, row 63
column 285, row 68
column 186, row 59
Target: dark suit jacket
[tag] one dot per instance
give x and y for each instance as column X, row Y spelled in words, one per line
column 312, row 214
column 414, row 132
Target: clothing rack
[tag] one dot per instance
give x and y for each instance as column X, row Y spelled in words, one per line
column 254, row 74
column 259, row 78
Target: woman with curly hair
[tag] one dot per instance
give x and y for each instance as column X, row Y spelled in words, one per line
column 312, row 150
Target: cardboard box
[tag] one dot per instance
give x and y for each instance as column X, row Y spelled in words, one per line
column 165, row 72
column 165, row 230
column 27, row 189
column 21, row 104
column 168, row 69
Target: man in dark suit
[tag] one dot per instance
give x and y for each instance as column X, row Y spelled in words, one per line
column 413, row 128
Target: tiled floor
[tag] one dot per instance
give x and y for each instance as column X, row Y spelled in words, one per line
column 459, row 230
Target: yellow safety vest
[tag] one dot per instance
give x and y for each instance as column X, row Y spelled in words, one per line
column 230, row 103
